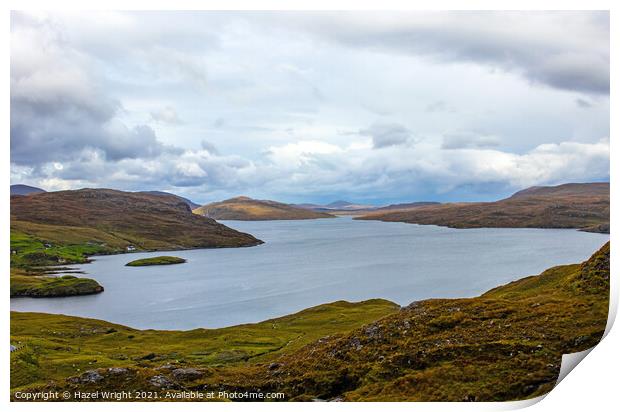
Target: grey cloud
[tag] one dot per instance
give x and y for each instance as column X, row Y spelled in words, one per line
column 583, row 103
column 219, row 122
column 387, row 134
column 542, row 52
column 469, row 140
column 59, row 108
column 70, row 129
column 209, row 147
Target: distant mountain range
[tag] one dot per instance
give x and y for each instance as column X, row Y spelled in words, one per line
column 23, row 190
column 344, row 207
column 404, row 206
column 337, row 206
column 245, row 208
column 582, row 206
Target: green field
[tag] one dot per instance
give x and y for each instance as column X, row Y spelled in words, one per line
column 55, row 347
column 33, row 261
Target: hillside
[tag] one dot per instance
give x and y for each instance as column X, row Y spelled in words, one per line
column 582, row 206
column 401, row 206
column 56, row 347
column 189, row 203
column 245, row 208
column 503, row 345
column 65, row 226
column 24, row 190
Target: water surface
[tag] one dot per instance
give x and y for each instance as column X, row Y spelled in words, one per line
column 308, row 262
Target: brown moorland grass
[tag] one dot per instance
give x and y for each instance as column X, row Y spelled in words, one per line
column 59, row 228
column 582, row 206
column 147, row 221
column 245, row 208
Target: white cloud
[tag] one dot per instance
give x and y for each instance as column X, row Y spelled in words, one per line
column 166, row 115
column 309, row 105
column 468, row 139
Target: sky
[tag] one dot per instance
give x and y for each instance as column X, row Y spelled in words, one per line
column 371, row 107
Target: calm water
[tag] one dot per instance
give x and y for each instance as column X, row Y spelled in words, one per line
column 306, row 263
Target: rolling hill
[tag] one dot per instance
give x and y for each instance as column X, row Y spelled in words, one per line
column 582, row 206
column 411, row 205
column 24, row 190
column 245, row 208
column 75, row 223
column 189, row 203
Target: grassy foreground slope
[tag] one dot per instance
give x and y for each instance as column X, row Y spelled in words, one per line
column 582, row 206
column 504, row 345
column 56, row 347
column 245, row 208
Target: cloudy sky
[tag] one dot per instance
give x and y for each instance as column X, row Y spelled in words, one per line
column 310, row 106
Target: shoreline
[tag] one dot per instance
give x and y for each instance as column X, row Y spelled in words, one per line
column 516, row 326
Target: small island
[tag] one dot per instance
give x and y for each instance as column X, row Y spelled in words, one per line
column 48, row 286
column 159, row 260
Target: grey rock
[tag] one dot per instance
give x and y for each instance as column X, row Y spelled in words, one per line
column 91, row 376
column 160, row 381
column 187, row 374
column 118, row 371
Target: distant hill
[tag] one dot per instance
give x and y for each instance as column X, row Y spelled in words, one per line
column 245, row 208
column 23, row 190
column 114, row 220
column 582, row 206
column 568, row 189
column 191, row 204
column 400, row 206
column 337, row 206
